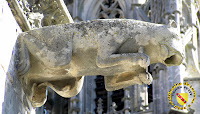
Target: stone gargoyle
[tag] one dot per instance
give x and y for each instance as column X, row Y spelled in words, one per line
column 118, row 49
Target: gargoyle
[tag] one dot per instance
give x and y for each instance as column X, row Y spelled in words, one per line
column 119, row 49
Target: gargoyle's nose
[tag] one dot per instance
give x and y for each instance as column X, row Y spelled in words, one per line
column 174, row 59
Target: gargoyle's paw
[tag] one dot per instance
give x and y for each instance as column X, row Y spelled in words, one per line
column 146, row 78
column 144, row 60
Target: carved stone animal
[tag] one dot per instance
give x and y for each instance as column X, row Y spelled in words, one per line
column 118, row 49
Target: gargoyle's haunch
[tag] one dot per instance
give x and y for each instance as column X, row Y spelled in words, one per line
column 121, row 50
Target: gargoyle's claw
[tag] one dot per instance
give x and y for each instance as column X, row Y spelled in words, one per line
column 146, row 78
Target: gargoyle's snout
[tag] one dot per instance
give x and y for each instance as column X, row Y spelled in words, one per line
column 174, row 59
column 172, row 55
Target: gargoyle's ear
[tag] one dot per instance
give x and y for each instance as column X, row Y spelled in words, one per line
column 172, row 23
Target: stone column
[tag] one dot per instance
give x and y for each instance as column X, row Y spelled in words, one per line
column 109, row 100
column 75, row 10
column 87, row 95
column 57, row 104
column 126, row 99
column 176, row 11
column 82, row 100
column 136, row 98
column 99, row 106
column 74, row 105
column 195, row 82
column 160, row 89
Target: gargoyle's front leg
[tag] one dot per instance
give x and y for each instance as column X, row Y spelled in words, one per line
column 120, row 81
column 145, row 77
column 107, row 59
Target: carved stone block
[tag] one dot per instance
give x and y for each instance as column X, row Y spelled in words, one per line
column 119, row 49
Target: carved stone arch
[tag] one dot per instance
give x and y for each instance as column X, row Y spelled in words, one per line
column 102, row 9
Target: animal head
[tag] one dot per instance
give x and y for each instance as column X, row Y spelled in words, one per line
column 166, row 46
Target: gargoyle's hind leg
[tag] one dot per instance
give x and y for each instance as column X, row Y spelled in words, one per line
column 66, row 88
column 22, row 60
column 51, row 51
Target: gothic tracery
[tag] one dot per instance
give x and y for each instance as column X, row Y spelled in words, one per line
column 110, row 9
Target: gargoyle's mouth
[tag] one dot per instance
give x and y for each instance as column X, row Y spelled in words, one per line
column 175, row 59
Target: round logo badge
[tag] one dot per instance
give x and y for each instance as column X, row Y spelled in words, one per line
column 181, row 96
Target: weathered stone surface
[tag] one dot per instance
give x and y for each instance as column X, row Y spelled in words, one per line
column 31, row 14
column 119, row 49
column 12, row 97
